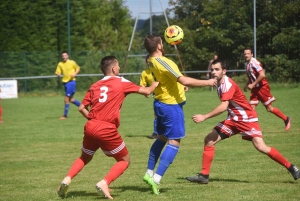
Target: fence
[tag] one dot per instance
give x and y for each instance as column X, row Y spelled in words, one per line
column 25, row 83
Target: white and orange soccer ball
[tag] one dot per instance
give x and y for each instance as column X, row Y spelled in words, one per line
column 173, row 35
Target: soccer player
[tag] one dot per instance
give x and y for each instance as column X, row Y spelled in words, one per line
column 0, row 109
column 146, row 80
column 168, row 106
column 101, row 106
column 69, row 69
column 208, row 74
column 241, row 119
column 260, row 88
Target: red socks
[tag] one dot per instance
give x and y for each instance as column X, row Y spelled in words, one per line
column 207, row 157
column 116, row 171
column 279, row 114
column 276, row 156
column 77, row 166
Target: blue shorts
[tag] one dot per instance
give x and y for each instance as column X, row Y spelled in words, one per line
column 170, row 120
column 70, row 88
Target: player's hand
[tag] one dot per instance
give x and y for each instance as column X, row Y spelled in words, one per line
column 186, row 88
column 58, row 74
column 155, row 84
column 250, row 86
column 212, row 82
column 72, row 75
column 197, row 118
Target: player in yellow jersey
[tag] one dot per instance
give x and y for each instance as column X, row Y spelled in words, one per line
column 168, row 106
column 69, row 69
column 146, row 80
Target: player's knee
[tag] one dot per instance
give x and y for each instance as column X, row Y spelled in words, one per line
column 86, row 158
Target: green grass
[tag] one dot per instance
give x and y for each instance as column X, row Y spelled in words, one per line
column 37, row 150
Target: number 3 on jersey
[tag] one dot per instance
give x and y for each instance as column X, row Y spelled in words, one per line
column 103, row 94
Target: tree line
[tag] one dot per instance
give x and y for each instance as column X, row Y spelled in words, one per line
column 33, row 34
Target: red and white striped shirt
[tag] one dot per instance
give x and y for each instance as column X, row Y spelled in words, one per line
column 253, row 68
column 239, row 108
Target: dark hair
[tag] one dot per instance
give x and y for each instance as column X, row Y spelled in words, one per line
column 151, row 42
column 223, row 64
column 147, row 59
column 248, row 48
column 64, row 52
column 106, row 63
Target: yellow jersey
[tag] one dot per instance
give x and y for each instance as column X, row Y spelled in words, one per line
column 146, row 78
column 67, row 68
column 166, row 72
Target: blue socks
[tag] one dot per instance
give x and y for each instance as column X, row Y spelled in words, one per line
column 155, row 151
column 167, row 158
column 76, row 102
column 66, row 109
column 67, row 106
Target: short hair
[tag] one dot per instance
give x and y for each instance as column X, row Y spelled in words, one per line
column 151, row 42
column 222, row 63
column 147, row 59
column 64, row 52
column 248, row 48
column 106, row 63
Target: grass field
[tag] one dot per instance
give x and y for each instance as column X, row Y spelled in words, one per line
column 37, row 149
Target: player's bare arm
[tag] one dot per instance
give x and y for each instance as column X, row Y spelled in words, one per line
column 74, row 74
column 197, row 118
column 187, row 81
column 258, row 79
column 148, row 90
column 83, row 110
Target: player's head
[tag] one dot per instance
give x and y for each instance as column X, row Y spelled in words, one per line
column 248, row 54
column 64, row 55
column 218, row 69
column 215, row 57
column 109, row 65
column 153, row 43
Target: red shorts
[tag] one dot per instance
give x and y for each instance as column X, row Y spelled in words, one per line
column 262, row 94
column 104, row 135
column 248, row 130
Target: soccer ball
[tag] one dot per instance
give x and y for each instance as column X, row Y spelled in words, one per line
column 173, row 35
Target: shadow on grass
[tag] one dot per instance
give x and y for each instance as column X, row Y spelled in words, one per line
column 139, row 189
column 114, row 192
column 216, row 180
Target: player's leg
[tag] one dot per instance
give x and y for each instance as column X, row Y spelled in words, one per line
column 76, row 167
column 89, row 147
column 154, row 154
column 112, row 145
column 278, row 113
column 254, row 98
column 171, row 123
column 267, row 98
column 210, row 140
column 66, row 101
column 275, row 155
column 72, row 91
column 116, row 170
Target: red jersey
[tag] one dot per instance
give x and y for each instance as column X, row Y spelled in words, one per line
column 238, row 109
column 253, row 68
column 105, row 97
